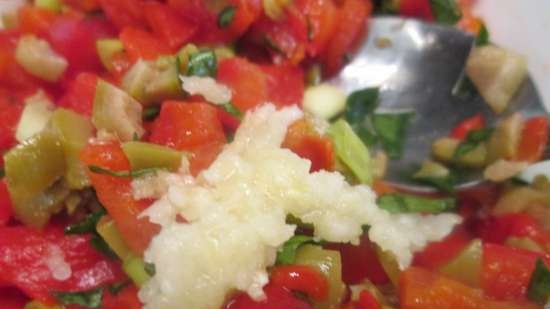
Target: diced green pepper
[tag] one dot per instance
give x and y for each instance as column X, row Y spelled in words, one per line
column 329, row 263
column 467, row 265
column 38, row 58
column 32, row 170
column 52, row 5
column 137, row 78
column 107, row 229
column 73, row 131
column 107, row 49
column 524, row 243
column 36, row 114
column 165, row 85
column 351, row 150
column 184, row 55
column 116, row 112
column 146, row 155
column 134, row 267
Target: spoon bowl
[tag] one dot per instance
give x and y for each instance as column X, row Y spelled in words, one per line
column 417, row 67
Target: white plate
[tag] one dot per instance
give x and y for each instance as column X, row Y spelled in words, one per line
column 523, row 26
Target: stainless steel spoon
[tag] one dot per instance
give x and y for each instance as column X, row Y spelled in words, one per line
column 416, row 65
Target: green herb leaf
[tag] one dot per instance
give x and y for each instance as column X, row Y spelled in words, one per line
column 445, row 184
column 150, row 112
column 115, row 288
column 287, row 253
column 101, row 245
column 539, row 285
column 233, row 110
column 473, row 139
column 124, row 174
column 483, row 36
column 446, row 11
column 2, row 172
column 87, row 225
column 391, row 130
column 360, row 104
column 402, row 203
column 203, row 63
column 226, row 16
column 150, row 269
column 89, row 299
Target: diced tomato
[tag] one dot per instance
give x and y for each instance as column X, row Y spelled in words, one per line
column 205, row 14
column 124, row 13
column 534, row 139
column 421, row 289
column 115, row 193
column 285, row 84
column 301, row 278
column 360, row 262
column 246, row 80
column 35, row 20
column 80, row 94
column 190, row 126
column 506, row 271
column 11, row 298
column 6, row 209
column 498, row 229
column 321, row 21
column 125, row 299
column 13, row 77
column 11, row 108
column 438, row 253
column 229, row 122
column 27, row 255
column 352, row 20
column 367, row 301
column 168, row 25
column 475, row 122
column 142, row 44
column 304, row 141
column 75, row 40
column 416, row 8
column 276, row 298
column 84, row 5
column 478, row 198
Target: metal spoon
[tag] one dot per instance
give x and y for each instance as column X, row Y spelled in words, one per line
column 416, row 65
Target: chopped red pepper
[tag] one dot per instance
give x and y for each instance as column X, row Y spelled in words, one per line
column 115, row 193
column 506, row 271
column 124, row 13
column 80, row 94
column 475, row 122
column 168, row 25
column 367, row 301
column 534, row 139
column 302, row 278
column 416, row 8
column 35, row 20
column 276, row 298
column 498, row 229
column 29, row 258
column 438, row 253
column 302, row 139
column 142, row 44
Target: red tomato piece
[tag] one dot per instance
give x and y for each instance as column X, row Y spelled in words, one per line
column 498, row 229
column 124, row 13
column 352, row 18
column 229, row 122
column 276, row 298
column 360, row 262
column 35, row 20
column 26, row 253
column 475, row 122
column 301, row 278
column 12, row 76
column 125, row 299
column 246, row 80
column 416, row 8
column 304, row 141
column 115, row 193
column 6, row 209
column 168, row 25
column 80, row 94
column 84, row 5
column 11, row 298
column 321, row 20
column 534, row 139
column 506, row 271
column 11, row 108
column 285, row 84
column 76, row 40
column 190, row 126
column 438, row 253
column 142, row 44
column 421, row 289
column 367, row 301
